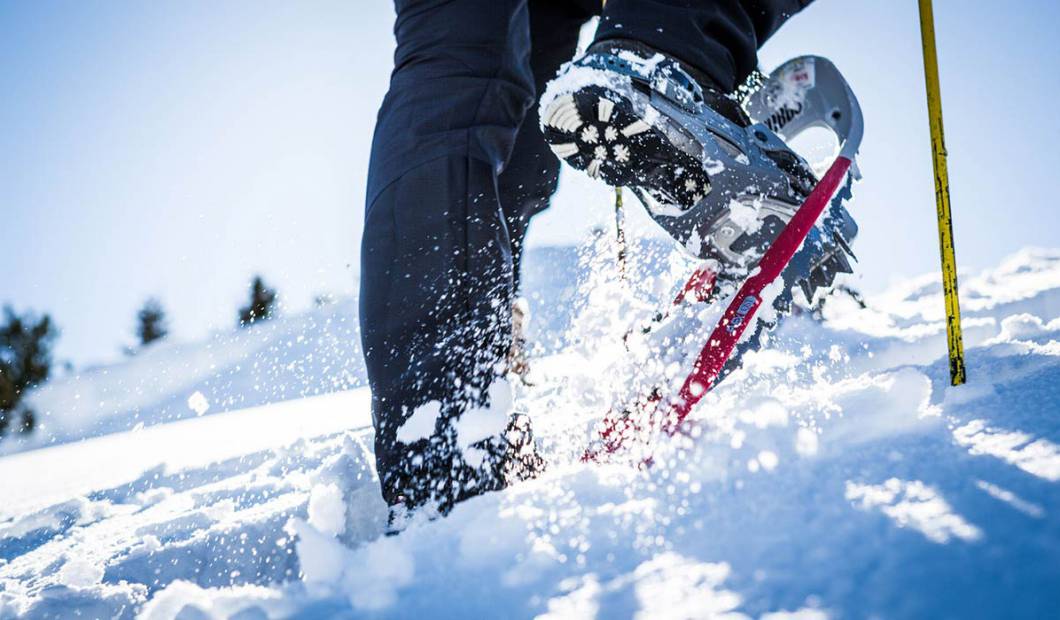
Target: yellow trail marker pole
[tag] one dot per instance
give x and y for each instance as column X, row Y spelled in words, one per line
column 942, row 195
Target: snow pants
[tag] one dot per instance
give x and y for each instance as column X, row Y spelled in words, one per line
column 458, row 168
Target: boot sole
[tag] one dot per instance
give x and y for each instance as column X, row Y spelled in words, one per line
column 599, row 131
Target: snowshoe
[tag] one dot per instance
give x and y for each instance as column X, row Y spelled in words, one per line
column 720, row 181
column 791, row 249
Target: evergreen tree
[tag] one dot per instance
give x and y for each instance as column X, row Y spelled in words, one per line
column 8, row 399
column 25, row 363
column 262, row 303
column 151, row 323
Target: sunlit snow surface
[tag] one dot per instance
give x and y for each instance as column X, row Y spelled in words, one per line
column 838, row 475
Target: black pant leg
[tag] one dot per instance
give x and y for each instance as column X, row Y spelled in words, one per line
column 718, row 37
column 532, row 173
column 436, row 273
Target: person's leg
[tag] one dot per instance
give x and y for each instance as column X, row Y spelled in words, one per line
column 436, row 272
column 717, row 37
column 532, row 174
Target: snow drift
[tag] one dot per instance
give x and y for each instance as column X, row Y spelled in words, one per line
column 836, row 475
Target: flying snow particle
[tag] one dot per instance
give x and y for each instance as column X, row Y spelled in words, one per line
column 197, row 402
column 420, row 424
column 806, row 442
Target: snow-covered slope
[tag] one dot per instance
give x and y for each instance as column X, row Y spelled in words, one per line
column 291, row 357
column 837, row 475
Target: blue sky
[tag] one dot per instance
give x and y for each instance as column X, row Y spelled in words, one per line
column 176, row 148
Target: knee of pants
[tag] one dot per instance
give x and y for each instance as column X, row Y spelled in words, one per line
column 457, row 111
column 461, row 84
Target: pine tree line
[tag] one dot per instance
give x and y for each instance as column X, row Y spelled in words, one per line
column 27, row 342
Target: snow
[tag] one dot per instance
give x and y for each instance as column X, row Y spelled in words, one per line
column 473, row 426
column 420, row 424
column 327, row 510
column 916, row 505
column 378, row 571
column 643, row 66
column 837, row 475
column 1037, row 456
column 322, row 559
column 745, row 215
column 79, row 573
column 1012, row 499
column 481, row 423
column 197, row 402
column 148, row 453
column 572, row 77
